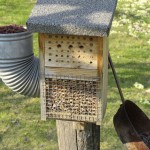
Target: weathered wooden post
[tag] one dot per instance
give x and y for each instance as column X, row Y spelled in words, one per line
column 73, row 48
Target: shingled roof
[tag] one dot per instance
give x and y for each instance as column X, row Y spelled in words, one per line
column 74, row 17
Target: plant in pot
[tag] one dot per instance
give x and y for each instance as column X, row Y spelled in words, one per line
column 19, row 69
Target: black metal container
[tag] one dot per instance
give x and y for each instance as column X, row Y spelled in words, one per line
column 132, row 126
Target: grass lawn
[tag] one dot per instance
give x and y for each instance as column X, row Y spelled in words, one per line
column 20, row 124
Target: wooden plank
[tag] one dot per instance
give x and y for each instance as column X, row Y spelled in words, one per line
column 41, row 39
column 68, row 114
column 100, row 56
column 71, row 51
column 100, row 74
column 72, row 73
column 69, row 117
column 105, row 77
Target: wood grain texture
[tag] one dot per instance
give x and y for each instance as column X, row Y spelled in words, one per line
column 105, row 77
column 72, row 73
column 41, row 39
column 136, row 146
column 100, row 75
column 70, row 138
column 100, row 56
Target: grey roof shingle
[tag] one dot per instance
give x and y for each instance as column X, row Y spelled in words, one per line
column 74, row 17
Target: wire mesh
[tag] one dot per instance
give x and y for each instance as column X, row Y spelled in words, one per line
column 71, row 98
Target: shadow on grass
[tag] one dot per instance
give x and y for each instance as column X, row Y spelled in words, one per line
column 8, row 95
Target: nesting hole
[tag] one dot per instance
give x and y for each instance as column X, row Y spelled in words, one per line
column 50, row 60
column 91, row 39
column 50, row 48
column 59, row 45
column 91, row 62
column 81, row 46
column 70, row 46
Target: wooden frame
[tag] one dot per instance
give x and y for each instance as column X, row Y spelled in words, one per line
column 99, row 69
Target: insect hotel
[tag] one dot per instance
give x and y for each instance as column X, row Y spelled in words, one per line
column 73, row 49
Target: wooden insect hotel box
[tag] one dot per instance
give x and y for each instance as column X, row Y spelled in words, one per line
column 73, row 50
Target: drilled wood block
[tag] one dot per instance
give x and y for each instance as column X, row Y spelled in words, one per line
column 71, row 51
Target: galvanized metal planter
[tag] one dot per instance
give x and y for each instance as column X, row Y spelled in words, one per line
column 19, row 69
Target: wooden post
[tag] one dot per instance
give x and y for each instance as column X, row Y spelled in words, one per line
column 78, row 136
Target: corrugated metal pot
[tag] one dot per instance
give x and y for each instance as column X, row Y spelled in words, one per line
column 19, row 69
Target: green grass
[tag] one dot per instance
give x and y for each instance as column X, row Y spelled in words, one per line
column 20, row 124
